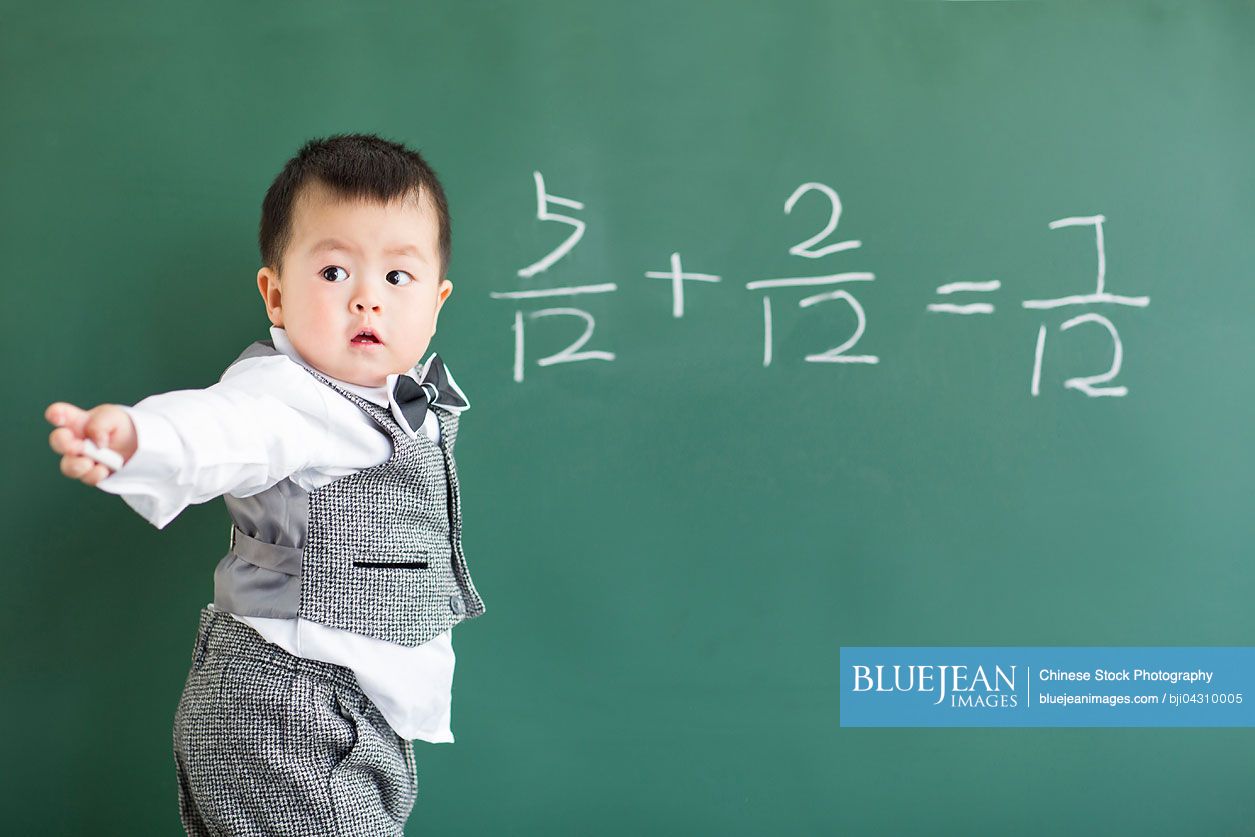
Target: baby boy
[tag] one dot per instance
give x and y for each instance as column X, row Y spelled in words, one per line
column 327, row 648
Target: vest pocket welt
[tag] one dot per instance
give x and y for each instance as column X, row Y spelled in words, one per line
column 392, row 565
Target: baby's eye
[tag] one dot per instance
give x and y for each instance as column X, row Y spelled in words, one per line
column 334, row 267
column 398, row 280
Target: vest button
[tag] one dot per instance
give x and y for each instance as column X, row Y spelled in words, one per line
column 456, row 604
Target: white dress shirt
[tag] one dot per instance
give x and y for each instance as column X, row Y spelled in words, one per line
column 265, row 420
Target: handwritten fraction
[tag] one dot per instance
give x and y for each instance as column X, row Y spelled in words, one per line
column 960, row 297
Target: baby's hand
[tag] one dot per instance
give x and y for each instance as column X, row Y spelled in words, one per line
column 108, row 426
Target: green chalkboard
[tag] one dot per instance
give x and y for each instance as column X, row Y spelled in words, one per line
column 678, row 506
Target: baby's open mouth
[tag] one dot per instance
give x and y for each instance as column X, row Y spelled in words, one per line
column 366, row 336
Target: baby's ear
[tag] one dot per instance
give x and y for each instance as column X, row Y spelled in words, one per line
column 271, row 294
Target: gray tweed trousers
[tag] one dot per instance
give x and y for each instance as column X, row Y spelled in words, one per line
column 267, row 743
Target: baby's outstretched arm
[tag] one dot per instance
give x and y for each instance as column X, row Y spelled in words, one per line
column 265, row 420
column 107, row 426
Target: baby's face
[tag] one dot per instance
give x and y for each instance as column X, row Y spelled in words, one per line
column 356, row 265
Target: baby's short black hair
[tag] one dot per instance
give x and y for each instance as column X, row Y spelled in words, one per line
column 355, row 166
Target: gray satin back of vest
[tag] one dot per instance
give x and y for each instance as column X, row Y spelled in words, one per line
column 377, row 552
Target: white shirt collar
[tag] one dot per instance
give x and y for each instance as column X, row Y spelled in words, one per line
column 380, row 395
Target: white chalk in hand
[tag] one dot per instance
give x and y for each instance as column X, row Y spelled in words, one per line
column 111, row 459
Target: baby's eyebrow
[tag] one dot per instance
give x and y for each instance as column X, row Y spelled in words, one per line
column 337, row 244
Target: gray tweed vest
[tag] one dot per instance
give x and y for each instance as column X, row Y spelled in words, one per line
column 377, row 552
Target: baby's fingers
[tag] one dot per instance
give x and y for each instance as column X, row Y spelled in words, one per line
column 66, row 415
column 101, row 422
column 95, row 473
column 75, row 467
column 83, row 469
column 63, row 440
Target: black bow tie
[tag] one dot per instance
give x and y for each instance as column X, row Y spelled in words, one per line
column 414, row 397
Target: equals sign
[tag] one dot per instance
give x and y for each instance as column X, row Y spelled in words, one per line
column 971, row 307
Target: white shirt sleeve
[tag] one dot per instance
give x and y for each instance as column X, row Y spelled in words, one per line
column 265, row 420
